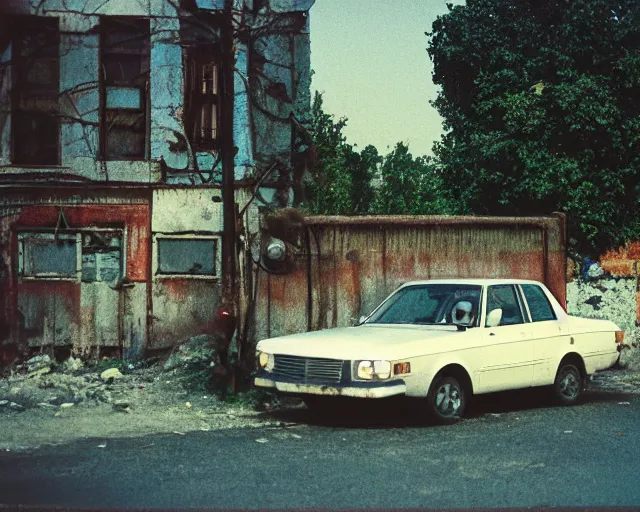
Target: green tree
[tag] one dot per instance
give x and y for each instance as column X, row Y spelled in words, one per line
column 410, row 186
column 541, row 104
column 341, row 179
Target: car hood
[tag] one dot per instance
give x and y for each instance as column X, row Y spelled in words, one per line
column 389, row 342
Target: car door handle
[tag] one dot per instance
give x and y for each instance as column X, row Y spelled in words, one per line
column 492, row 334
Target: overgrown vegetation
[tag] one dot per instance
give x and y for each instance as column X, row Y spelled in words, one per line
column 540, row 101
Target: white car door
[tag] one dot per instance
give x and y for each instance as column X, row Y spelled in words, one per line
column 547, row 334
column 507, row 351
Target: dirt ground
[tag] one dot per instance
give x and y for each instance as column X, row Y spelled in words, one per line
column 40, row 407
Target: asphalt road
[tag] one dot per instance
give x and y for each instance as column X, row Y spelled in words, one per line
column 514, row 451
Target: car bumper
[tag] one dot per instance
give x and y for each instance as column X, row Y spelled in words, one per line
column 354, row 389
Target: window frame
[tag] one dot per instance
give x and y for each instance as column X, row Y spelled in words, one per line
column 141, row 82
column 21, row 90
column 519, row 302
column 49, row 276
column 217, row 260
column 196, row 57
column 526, row 301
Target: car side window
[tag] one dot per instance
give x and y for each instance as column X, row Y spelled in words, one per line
column 504, row 297
column 539, row 304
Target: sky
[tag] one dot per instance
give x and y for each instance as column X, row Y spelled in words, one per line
column 370, row 62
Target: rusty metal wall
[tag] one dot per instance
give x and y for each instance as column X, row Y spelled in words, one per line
column 355, row 262
column 81, row 313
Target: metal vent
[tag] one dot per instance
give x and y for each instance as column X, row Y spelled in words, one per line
column 306, row 369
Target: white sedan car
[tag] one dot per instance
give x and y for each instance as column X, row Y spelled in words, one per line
column 445, row 341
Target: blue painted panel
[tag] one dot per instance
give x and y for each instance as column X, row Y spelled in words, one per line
column 210, row 4
column 123, row 97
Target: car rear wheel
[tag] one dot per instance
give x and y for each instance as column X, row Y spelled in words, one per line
column 447, row 399
column 568, row 385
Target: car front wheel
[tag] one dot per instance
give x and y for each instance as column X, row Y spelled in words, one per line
column 446, row 399
column 568, row 385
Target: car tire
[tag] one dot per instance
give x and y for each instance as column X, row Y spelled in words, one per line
column 568, row 385
column 446, row 399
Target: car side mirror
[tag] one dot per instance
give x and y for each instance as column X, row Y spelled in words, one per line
column 494, row 318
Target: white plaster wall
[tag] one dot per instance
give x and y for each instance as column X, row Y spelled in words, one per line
column 179, row 210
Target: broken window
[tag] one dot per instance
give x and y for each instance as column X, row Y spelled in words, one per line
column 48, row 255
column 35, row 91
column 101, row 256
column 125, row 79
column 187, row 256
column 202, row 96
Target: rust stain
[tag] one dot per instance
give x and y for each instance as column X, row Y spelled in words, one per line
column 134, row 217
column 364, row 258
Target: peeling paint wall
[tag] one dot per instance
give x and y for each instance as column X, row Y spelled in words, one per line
column 105, row 302
column 613, row 299
column 264, row 117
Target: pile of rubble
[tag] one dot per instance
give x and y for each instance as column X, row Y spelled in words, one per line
column 44, row 383
column 41, row 382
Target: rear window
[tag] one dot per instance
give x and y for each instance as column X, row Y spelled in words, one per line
column 539, row 305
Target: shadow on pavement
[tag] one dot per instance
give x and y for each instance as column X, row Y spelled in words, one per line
column 409, row 412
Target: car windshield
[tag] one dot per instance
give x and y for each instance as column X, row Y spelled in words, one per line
column 428, row 304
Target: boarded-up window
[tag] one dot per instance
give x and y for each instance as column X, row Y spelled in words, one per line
column 47, row 255
column 35, row 113
column 187, row 256
column 125, row 83
column 101, row 256
column 202, row 96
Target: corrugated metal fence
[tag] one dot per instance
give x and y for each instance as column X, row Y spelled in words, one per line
column 348, row 265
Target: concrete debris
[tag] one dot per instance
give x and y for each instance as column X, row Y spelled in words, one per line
column 72, row 365
column 262, row 440
column 38, row 362
column 111, row 373
column 66, row 405
column 16, row 407
column 121, row 404
column 102, row 446
column 196, row 352
column 4, row 402
column 37, row 373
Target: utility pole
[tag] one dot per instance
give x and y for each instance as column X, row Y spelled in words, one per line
column 228, row 312
column 228, row 157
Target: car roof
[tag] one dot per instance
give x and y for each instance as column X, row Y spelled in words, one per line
column 479, row 282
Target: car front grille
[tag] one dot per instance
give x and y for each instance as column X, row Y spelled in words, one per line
column 305, row 369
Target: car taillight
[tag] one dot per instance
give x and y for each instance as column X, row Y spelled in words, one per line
column 619, row 337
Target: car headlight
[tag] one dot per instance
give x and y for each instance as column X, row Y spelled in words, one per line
column 266, row 361
column 370, row 370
